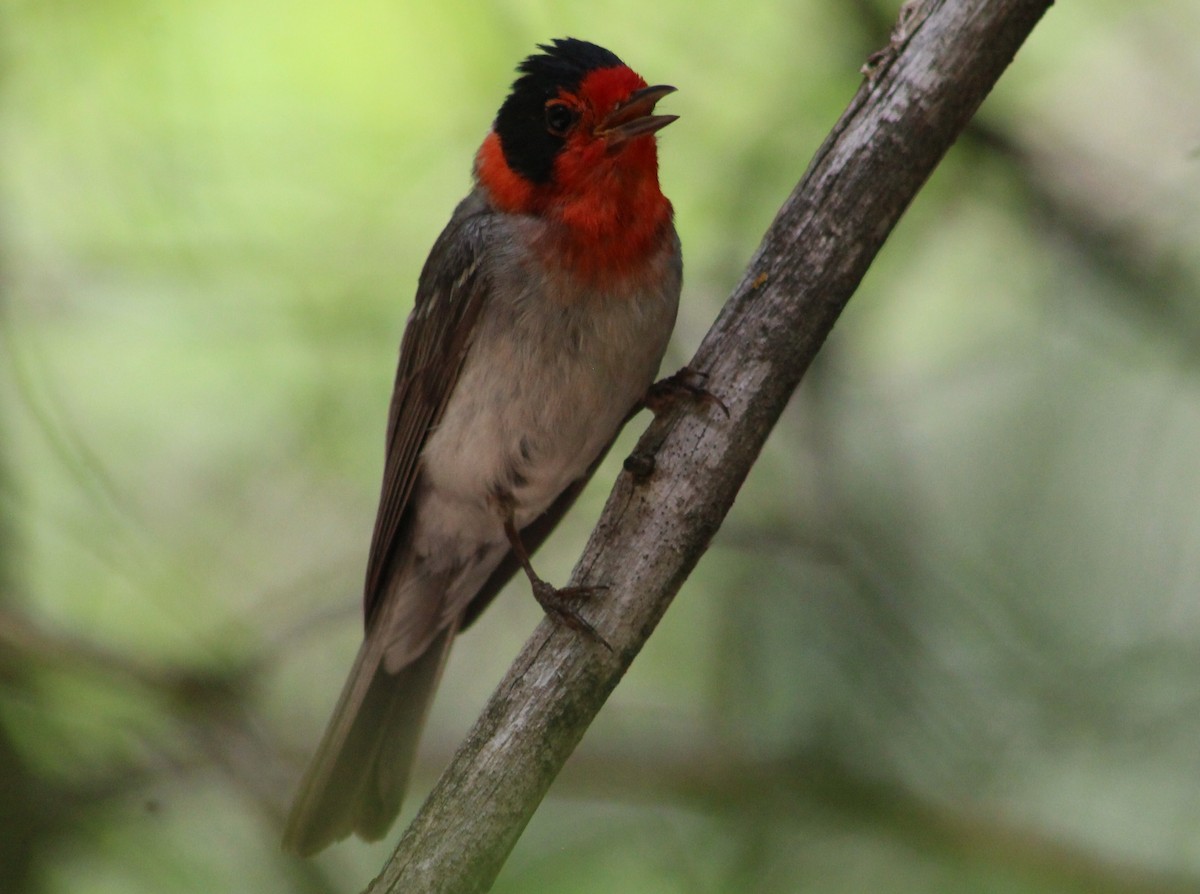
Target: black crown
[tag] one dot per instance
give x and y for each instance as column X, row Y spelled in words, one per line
column 529, row 148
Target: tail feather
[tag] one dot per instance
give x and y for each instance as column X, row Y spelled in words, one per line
column 357, row 779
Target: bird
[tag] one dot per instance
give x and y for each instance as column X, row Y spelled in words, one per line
column 541, row 317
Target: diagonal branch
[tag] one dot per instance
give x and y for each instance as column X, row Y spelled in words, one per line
column 920, row 92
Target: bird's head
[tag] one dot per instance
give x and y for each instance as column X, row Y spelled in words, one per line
column 574, row 141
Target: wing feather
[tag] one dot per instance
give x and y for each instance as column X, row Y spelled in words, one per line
column 452, row 289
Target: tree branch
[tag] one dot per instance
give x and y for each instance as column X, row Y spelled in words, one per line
column 920, row 92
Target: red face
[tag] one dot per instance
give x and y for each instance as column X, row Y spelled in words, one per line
column 574, row 142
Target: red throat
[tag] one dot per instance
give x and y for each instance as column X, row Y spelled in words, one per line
column 612, row 214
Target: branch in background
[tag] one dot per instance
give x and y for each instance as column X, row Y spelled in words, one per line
column 921, row 92
column 1078, row 202
column 207, row 708
column 822, row 783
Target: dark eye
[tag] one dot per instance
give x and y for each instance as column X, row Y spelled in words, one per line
column 559, row 117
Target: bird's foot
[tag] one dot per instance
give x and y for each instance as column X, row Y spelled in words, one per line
column 686, row 384
column 560, row 604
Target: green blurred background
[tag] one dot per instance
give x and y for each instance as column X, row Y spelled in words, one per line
column 948, row 639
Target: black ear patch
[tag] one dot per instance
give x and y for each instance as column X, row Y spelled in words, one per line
column 528, row 141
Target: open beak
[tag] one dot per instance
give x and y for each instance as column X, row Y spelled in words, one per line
column 634, row 117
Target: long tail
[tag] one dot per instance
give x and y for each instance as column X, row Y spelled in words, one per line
column 356, row 780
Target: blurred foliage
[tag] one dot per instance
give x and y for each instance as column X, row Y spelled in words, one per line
column 949, row 638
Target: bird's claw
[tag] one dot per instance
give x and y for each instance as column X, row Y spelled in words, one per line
column 558, row 603
column 686, row 384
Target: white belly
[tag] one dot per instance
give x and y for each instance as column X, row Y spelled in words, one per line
column 543, row 390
